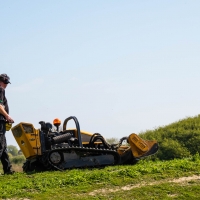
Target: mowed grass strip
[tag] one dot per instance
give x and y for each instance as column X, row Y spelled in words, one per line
column 153, row 178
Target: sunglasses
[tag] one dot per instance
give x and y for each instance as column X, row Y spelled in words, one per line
column 5, row 81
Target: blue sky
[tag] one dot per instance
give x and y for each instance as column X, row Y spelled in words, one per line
column 118, row 66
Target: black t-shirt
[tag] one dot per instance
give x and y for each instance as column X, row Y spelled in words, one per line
column 4, row 102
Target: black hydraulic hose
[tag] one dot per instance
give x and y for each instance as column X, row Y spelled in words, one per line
column 77, row 128
column 106, row 145
column 92, row 138
column 97, row 136
column 122, row 139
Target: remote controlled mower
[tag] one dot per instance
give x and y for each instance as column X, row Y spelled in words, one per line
column 50, row 148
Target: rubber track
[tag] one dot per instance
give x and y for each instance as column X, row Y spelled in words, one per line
column 86, row 150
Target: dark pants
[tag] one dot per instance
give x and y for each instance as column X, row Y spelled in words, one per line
column 3, row 148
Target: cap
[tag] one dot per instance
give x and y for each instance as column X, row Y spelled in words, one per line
column 5, row 78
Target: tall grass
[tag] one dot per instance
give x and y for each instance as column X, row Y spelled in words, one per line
column 177, row 140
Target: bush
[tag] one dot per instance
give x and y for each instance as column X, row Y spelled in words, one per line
column 193, row 144
column 12, row 149
column 176, row 140
column 18, row 159
column 112, row 140
column 10, row 155
column 170, row 149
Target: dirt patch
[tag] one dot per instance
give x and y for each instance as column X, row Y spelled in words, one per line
column 17, row 168
column 185, row 179
column 130, row 187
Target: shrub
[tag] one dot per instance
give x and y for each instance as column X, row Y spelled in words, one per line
column 18, row 159
column 10, row 155
column 193, row 144
column 177, row 140
column 12, row 149
column 112, row 140
column 170, row 149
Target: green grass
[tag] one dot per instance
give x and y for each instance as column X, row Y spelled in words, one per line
column 177, row 140
column 145, row 180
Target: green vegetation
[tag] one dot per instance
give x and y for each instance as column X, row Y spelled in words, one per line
column 177, row 140
column 16, row 159
column 15, row 155
column 12, row 150
column 112, row 140
column 146, row 180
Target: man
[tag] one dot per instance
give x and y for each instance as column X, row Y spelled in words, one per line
column 4, row 117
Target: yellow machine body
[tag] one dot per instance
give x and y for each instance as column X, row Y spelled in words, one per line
column 139, row 146
column 28, row 139
column 47, row 149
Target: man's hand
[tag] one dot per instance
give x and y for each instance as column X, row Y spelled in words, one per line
column 3, row 112
column 9, row 119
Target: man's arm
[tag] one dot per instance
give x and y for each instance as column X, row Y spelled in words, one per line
column 5, row 114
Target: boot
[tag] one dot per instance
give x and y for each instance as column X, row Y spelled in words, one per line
column 9, row 172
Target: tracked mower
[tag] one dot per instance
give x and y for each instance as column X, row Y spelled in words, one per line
column 48, row 148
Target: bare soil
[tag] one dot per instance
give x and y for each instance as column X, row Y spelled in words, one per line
column 130, row 187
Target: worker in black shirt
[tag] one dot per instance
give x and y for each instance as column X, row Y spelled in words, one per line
column 4, row 118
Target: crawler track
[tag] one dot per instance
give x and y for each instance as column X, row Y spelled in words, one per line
column 62, row 158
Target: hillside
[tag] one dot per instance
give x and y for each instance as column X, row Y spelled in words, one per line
column 162, row 176
column 177, row 140
column 179, row 179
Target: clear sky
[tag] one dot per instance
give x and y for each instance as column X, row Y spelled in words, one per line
column 118, row 66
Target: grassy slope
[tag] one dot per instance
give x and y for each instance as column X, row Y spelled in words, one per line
column 179, row 130
column 145, row 180
column 177, row 140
